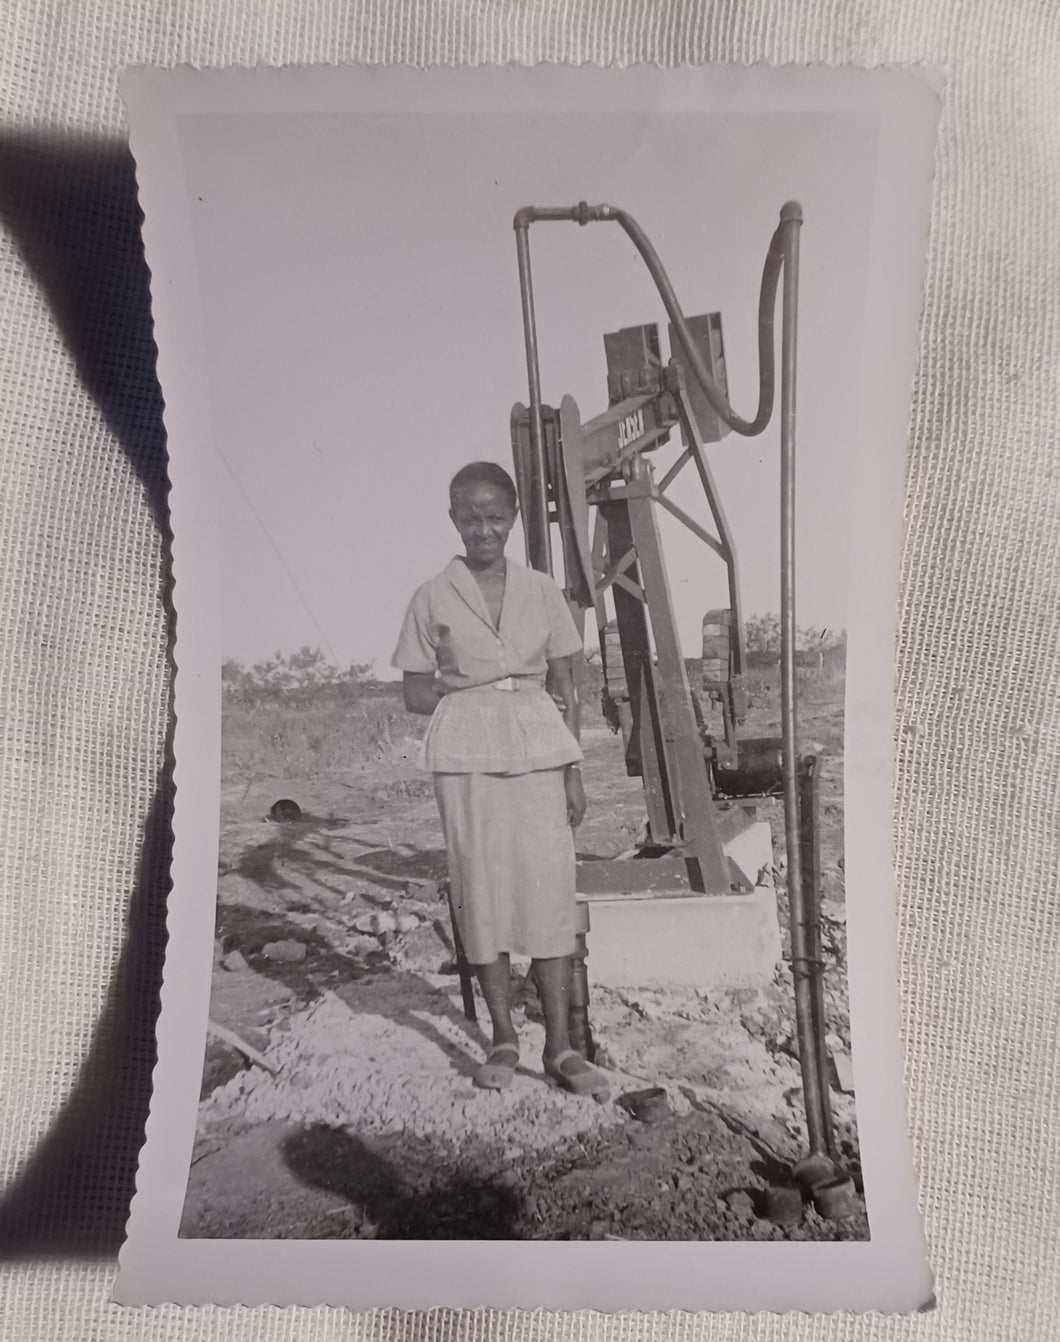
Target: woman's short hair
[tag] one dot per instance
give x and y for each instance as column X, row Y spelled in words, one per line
column 483, row 473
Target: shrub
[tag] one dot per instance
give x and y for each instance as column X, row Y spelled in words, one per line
column 299, row 678
column 821, row 651
column 300, row 716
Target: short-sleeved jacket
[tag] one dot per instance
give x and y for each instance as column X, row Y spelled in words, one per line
column 495, row 716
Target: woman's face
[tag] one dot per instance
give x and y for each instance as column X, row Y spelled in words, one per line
column 484, row 517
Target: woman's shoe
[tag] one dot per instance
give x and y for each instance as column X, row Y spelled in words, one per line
column 494, row 1074
column 579, row 1080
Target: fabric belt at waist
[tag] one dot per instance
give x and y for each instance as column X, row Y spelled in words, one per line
column 509, row 684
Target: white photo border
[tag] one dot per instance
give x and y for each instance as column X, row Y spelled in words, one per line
column 889, row 1271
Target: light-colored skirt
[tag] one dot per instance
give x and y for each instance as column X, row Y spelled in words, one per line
column 511, row 862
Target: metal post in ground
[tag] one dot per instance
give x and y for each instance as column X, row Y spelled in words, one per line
column 581, row 1034
column 463, row 969
column 810, row 840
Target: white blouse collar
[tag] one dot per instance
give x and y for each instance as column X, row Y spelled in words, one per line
column 464, row 583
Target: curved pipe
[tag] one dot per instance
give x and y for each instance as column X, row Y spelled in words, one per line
column 780, row 246
column 766, row 304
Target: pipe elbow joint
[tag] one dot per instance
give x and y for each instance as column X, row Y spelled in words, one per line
column 524, row 217
column 584, row 213
column 791, row 212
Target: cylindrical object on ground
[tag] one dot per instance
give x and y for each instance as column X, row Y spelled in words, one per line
column 814, row 1169
column 646, row 1106
column 782, row 1204
column 836, row 1198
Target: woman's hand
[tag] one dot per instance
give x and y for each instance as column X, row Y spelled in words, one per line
column 420, row 692
column 572, row 785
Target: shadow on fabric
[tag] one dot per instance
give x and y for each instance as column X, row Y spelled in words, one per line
column 72, row 1196
column 70, row 204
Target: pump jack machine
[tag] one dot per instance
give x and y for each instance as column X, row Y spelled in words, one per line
column 565, row 469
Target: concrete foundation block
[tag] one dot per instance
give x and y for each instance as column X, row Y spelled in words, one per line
column 751, row 852
column 696, row 941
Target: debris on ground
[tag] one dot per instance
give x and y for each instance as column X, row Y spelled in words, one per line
column 842, row 1071
column 339, row 1072
column 288, row 951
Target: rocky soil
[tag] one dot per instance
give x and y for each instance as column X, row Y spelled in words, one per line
column 337, row 1097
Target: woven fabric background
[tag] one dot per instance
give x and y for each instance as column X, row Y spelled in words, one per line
column 83, row 637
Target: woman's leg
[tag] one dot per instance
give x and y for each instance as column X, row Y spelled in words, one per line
column 495, row 980
column 553, row 978
column 560, row 1060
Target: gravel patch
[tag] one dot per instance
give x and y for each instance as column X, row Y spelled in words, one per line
column 390, row 1055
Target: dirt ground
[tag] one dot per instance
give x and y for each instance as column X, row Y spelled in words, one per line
column 337, row 1096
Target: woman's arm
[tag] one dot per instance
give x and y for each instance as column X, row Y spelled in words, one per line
column 561, row 686
column 420, row 692
column 561, row 679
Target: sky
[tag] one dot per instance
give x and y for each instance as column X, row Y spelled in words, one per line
column 362, row 329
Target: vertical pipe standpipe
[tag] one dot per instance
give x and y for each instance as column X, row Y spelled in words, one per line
column 802, row 970
column 535, row 519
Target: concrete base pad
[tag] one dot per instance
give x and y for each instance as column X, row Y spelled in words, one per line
column 660, row 936
column 699, row 941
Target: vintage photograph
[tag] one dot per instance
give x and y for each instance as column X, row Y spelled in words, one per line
column 532, row 438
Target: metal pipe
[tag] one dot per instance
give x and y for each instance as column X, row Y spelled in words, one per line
column 581, row 1033
column 535, row 520
column 766, row 304
column 584, row 213
column 801, row 967
column 810, row 839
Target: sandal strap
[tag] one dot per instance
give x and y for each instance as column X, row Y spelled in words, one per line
column 502, row 1048
column 567, row 1053
column 557, row 1063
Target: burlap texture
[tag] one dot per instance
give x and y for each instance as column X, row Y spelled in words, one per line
column 85, row 681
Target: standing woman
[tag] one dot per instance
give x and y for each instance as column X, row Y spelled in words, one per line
column 476, row 646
